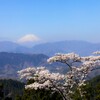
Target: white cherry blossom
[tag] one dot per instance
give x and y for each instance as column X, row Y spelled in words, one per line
column 64, row 84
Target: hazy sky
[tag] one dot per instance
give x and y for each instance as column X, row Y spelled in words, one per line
column 49, row 20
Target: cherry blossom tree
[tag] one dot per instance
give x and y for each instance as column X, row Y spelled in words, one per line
column 80, row 67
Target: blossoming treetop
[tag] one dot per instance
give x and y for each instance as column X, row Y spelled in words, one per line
column 63, row 84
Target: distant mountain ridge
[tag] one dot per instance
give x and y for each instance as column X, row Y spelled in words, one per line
column 14, row 57
column 10, row 63
column 8, row 46
column 81, row 47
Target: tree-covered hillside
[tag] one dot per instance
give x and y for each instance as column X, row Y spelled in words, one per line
column 10, row 89
column 92, row 92
column 14, row 90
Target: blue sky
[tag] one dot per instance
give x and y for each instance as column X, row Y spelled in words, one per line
column 50, row 20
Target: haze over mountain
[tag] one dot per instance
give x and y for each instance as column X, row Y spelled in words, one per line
column 8, row 46
column 81, row 47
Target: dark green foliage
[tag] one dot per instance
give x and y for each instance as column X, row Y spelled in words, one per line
column 1, row 91
column 10, row 88
column 91, row 91
column 31, row 94
column 14, row 90
column 39, row 95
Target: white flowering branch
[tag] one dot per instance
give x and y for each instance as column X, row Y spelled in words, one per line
column 63, row 84
column 77, row 74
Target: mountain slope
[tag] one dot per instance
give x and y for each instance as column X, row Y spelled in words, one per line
column 7, row 46
column 81, row 47
column 10, row 63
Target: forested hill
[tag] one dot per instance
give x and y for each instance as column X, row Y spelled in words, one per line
column 10, row 63
column 15, row 90
column 10, row 89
